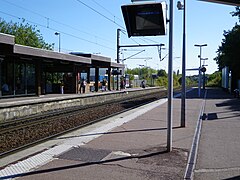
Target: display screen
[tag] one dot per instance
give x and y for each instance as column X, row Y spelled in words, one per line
column 148, row 20
column 145, row 19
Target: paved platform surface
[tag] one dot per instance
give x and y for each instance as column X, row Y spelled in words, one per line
column 133, row 145
column 219, row 147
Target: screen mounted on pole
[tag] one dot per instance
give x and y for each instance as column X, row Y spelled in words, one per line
column 148, row 19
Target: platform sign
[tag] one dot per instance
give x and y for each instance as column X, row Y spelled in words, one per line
column 228, row 2
column 145, row 19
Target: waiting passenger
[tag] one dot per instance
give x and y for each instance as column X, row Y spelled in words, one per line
column 83, row 86
column 122, row 84
column 5, row 87
column 79, row 86
column 104, row 85
column 143, row 84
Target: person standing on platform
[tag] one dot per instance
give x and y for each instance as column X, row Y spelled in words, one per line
column 122, row 84
column 5, row 88
column 143, row 84
column 79, row 86
column 104, row 85
column 83, row 86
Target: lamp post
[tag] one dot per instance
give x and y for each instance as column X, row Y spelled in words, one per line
column 59, row 41
column 181, row 6
column 199, row 74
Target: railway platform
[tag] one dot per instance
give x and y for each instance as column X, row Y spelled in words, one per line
column 18, row 107
column 132, row 145
column 219, row 146
column 17, row 101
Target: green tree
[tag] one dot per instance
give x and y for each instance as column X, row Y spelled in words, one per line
column 214, row 79
column 162, row 81
column 236, row 13
column 162, row 77
column 144, row 73
column 228, row 53
column 176, row 78
column 25, row 34
column 191, row 81
column 162, row 73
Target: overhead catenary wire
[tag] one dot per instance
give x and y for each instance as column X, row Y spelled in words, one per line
column 25, row 9
column 105, row 16
column 58, row 22
column 100, row 13
column 71, row 27
column 113, row 21
column 115, row 17
column 38, row 24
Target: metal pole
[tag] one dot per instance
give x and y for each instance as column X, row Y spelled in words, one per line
column 1, row 59
column 160, row 51
column 199, row 74
column 59, row 48
column 14, row 77
column 59, row 41
column 170, row 80
column 199, row 70
column 204, row 81
column 183, row 100
column 118, row 53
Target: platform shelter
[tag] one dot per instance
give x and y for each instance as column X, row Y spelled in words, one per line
column 32, row 71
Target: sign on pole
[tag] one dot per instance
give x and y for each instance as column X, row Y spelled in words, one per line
column 145, row 19
column 149, row 19
column 228, row 2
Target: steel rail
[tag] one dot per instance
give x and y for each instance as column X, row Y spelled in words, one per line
column 6, row 153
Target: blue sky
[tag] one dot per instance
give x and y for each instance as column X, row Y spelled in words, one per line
column 90, row 26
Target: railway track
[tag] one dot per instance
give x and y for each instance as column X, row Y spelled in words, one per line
column 29, row 131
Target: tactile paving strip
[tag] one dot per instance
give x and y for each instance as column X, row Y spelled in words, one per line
column 84, row 154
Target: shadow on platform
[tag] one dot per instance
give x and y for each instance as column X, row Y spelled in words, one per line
column 119, row 132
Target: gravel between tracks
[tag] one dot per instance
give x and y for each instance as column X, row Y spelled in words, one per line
column 33, row 133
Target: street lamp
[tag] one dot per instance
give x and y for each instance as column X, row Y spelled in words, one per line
column 181, row 6
column 199, row 74
column 59, row 41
